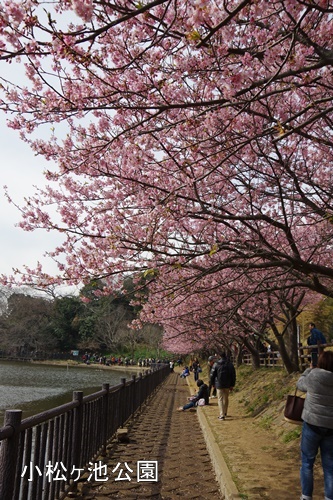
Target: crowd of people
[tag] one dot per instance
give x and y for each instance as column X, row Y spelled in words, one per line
column 316, row 381
column 221, row 380
column 317, row 416
column 89, row 358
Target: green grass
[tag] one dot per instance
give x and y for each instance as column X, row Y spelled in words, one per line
column 266, row 422
column 270, row 385
column 292, row 435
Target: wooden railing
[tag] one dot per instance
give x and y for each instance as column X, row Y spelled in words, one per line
column 269, row 359
column 41, row 455
column 304, row 352
column 273, row 358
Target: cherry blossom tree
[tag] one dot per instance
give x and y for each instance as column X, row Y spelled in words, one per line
column 188, row 138
column 227, row 310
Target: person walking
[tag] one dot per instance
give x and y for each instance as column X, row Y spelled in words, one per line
column 223, row 377
column 316, row 336
column 196, row 369
column 211, row 362
column 317, row 430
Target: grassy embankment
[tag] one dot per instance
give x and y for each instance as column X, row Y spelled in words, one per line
column 262, row 394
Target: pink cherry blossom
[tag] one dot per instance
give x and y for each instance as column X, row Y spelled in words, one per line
column 188, row 141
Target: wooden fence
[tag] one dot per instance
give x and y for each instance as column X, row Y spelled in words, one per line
column 269, row 359
column 41, row 455
column 273, row 359
column 304, row 353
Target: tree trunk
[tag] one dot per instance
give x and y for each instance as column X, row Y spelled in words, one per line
column 289, row 359
column 255, row 357
column 292, row 344
column 239, row 356
column 290, row 365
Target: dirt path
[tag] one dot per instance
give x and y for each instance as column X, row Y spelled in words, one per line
column 261, row 465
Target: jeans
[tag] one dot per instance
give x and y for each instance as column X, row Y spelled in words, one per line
column 189, row 405
column 313, row 438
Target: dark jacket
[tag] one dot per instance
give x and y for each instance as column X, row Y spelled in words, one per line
column 202, row 394
column 315, row 337
column 223, row 374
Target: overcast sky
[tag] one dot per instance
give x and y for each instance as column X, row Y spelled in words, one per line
column 20, row 172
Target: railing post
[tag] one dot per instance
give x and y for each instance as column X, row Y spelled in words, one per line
column 265, row 356
column 77, row 435
column 140, row 389
column 106, row 387
column 133, row 395
column 301, row 355
column 9, row 454
column 123, row 402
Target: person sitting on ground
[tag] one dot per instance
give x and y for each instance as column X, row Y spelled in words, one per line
column 201, row 394
column 185, row 373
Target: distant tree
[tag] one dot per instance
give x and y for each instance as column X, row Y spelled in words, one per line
column 150, row 335
column 66, row 322
column 26, row 325
column 107, row 319
column 323, row 317
column 4, row 295
column 112, row 323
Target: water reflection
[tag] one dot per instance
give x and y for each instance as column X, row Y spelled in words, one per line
column 37, row 387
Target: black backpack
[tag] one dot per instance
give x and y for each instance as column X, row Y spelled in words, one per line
column 224, row 374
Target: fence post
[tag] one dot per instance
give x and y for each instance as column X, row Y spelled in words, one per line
column 123, row 402
column 77, row 436
column 140, row 390
column 9, row 454
column 106, row 387
column 301, row 356
column 133, row 395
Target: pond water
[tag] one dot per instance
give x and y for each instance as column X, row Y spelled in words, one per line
column 34, row 388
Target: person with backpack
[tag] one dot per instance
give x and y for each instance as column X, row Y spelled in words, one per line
column 223, row 377
column 316, row 336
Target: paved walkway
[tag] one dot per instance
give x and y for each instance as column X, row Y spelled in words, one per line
column 199, row 456
column 173, row 439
